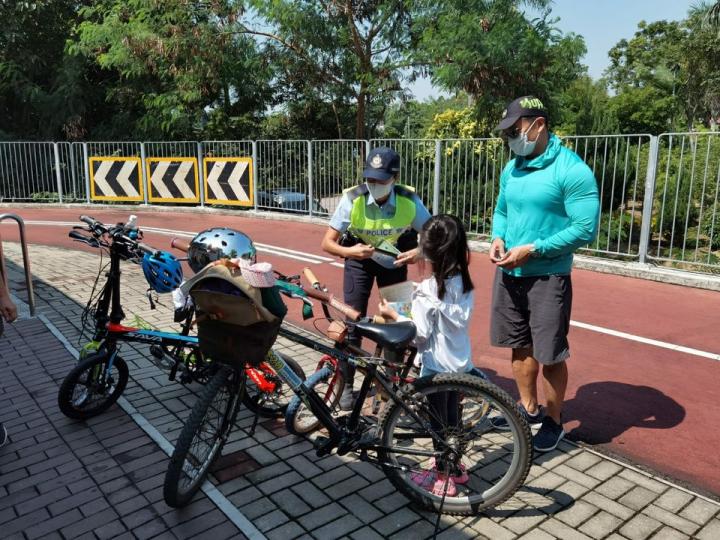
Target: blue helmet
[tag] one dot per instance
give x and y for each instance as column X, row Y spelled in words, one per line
column 162, row 271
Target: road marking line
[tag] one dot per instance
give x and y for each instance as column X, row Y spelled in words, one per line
column 646, row 341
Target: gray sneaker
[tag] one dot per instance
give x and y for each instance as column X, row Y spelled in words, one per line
column 535, row 420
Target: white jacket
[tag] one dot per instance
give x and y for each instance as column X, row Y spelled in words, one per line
column 443, row 326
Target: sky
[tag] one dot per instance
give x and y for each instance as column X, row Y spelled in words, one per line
column 602, row 23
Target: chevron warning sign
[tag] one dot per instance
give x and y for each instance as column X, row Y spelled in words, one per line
column 229, row 181
column 115, row 179
column 172, row 179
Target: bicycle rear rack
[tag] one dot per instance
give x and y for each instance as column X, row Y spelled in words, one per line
column 26, row 260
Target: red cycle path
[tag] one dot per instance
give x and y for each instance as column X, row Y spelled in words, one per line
column 656, row 407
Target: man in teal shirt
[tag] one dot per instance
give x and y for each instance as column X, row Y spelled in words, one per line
column 547, row 208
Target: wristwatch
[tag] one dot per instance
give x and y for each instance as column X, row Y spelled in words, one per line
column 534, row 251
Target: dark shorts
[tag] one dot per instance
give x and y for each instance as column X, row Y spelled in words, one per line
column 532, row 312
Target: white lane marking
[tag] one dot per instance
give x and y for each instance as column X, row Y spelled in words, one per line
column 317, row 259
column 214, row 494
column 646, row 341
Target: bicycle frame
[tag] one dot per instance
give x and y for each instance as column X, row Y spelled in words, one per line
column 342, row 436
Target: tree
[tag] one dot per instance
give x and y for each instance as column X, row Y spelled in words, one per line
column 490, row 49
column 585, row 109
column 174, row 69
column 346, row 52
column 36, row 81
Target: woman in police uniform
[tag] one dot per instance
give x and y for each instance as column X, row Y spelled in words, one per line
column 374, row 228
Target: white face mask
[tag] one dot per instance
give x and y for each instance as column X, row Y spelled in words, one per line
column 520, row 144
column 379, row 191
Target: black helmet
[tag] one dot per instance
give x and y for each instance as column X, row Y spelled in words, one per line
column 218, row 243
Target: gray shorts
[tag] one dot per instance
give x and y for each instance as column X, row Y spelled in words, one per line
column 532, row 312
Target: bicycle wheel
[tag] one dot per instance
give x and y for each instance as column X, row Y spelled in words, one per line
column 496, row 462
column 328, row 383
column 275, row 403
column 202, row 437
column 92, row 386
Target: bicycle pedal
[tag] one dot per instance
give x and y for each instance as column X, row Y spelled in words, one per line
column 323, row 446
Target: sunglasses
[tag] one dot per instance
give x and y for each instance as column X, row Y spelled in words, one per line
column 512, row 132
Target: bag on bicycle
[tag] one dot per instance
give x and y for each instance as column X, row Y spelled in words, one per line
column 237, row 322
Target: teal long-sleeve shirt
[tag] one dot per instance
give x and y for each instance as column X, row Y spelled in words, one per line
column 551, row 201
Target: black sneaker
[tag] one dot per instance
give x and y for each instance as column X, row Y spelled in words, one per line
column 3, row 435
column 535, row 420
column 548, row 436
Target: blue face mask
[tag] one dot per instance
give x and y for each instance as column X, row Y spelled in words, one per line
column 520, row 144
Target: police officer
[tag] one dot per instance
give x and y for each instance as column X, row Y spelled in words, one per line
column 374, row 228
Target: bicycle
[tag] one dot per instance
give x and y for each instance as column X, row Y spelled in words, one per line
column 101, row 375
column 408, row 438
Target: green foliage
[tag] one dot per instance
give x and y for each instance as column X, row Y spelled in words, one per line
column 585, row 109
column 173, row 67
column 489, row 49
column 349, row 54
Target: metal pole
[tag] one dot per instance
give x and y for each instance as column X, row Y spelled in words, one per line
column 310, row 178
column 436, row 181
column 58, row 174
column 648, row 199
column 201, row 173
column 87, row 172
column 254, row 174
column 26, row 260
column 144, row 172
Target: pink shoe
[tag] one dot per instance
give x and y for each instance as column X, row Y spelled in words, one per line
column 444, row 486
column 424, row 478
column 461, row 479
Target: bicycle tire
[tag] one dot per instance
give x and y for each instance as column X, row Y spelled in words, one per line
column 480, row 473
column 176, row 492
column 280, row 399
column 299, row 420
column 78, row 406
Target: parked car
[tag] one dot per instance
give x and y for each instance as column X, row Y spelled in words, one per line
column 287, row 199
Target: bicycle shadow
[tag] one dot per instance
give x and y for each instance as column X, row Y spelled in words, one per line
column 607, row 409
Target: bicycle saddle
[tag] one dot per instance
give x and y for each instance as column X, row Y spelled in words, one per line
column 394, row 336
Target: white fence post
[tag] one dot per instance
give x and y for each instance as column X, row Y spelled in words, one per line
column 58, row 173
column 310, row 178
column 436, row 181
column 87, row 172
column 201, row 173
column 255, row 175
column 648, row 199
column 143, row 166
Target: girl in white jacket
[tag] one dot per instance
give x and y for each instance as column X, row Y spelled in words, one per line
column 441, row 310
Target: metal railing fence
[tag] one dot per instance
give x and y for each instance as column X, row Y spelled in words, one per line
column 659, row 195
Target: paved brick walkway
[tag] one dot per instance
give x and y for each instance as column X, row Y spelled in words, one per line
column 275, row 479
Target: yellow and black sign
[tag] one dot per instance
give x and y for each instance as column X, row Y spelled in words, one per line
column 229, row 180
column 115, row 179
column 173, row 179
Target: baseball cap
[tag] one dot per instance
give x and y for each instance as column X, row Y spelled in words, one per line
column 382, row 164
column 522, row 106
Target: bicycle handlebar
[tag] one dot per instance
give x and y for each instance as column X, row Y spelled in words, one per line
column 180, row 244
column 312, row 278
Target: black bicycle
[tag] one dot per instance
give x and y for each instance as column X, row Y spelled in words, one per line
column 412, row 440
column 100, row 377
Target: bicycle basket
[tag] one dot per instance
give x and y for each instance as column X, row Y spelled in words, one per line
column 234, row 324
